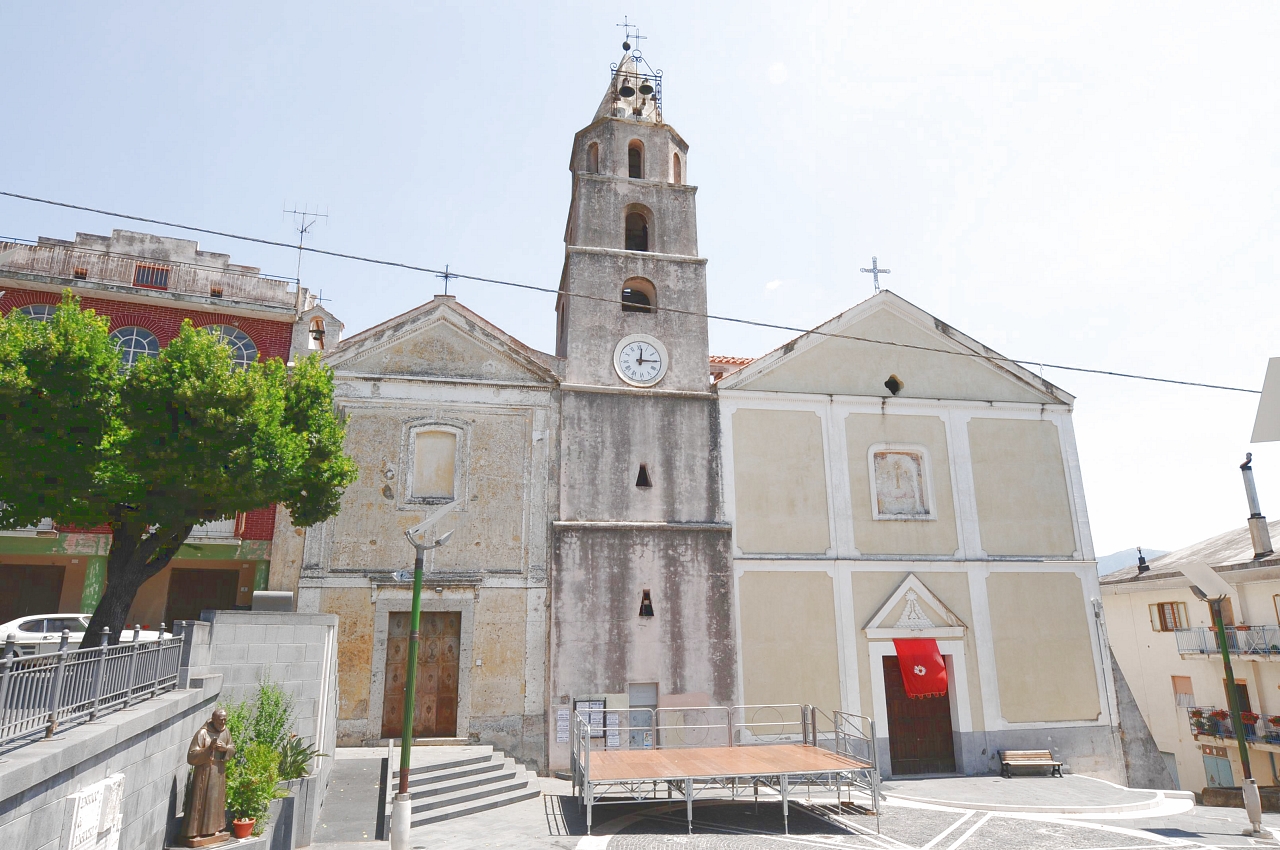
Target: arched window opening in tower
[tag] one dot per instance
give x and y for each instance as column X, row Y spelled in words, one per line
column 638, row 296
column 593, row 158
column 635, row 160
column 316, row 334
column 637, row 232
column 676, row 176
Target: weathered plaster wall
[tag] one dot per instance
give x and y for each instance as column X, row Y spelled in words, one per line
column 606, row 438
column 355, row 656
column 1052, row 677
column 1021, row 487
column 600, row 644
column 780, row 485
column 789, row 645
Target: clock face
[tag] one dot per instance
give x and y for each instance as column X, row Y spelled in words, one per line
column 640, row 360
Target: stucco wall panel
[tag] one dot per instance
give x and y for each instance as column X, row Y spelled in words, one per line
column 1020, row 485
column 1053, row 677
column 789, row 639
column 935, row 536
column 780, row 482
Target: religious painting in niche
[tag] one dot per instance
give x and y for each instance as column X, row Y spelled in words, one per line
column 899, row 484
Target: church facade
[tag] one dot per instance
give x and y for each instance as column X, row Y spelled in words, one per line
column 641, row 526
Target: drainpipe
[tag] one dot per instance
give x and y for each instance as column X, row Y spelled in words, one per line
column 1258, row 531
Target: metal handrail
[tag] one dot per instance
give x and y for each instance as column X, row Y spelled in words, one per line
column 741, row 726
column 48, row 692
column 1241, row 640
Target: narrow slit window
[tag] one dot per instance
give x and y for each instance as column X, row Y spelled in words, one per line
column 646, row 604
column 642, row 479
column 676, row 176
column 593, row 158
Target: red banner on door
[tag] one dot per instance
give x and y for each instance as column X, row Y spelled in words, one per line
column 924, row 673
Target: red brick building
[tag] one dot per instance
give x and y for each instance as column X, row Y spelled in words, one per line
column 147, row 285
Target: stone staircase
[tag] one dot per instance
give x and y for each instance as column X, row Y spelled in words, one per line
column 457, row 781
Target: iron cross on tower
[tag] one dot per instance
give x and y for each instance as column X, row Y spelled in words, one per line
column 875, row 271
column 630, row 32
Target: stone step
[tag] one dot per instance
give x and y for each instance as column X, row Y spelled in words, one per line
column 466, row 795
column 484, row 804
column 433, row 778
column 504, row 774
column 450, row 764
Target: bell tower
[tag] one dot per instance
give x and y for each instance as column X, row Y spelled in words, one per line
column 642, row 580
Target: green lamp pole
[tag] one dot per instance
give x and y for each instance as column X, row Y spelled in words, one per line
column 411, row 675
column 402, row 804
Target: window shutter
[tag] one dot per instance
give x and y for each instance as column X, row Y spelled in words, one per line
column 1183, row 621
column 1155, row 617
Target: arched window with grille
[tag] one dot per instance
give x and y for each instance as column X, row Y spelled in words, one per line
column 243, row 350
column 133, row 342
column 39, row 312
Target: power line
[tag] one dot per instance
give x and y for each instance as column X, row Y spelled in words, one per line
column 560, row 293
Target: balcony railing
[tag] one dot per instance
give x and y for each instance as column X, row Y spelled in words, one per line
column 69, row 263
column 39, row 694
column 1241, row 640
column 1203, row 723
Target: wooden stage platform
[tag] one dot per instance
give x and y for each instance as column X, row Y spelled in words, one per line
column 716, row 762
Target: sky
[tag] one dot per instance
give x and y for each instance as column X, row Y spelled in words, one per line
column 1089, row 184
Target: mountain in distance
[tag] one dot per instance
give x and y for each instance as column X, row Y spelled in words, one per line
column 1126, row 558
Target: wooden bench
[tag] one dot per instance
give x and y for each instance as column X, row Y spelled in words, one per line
column 1028, row 758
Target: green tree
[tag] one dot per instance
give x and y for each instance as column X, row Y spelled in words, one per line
column 155, row 449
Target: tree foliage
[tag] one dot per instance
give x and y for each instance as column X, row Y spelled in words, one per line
column 156, row 448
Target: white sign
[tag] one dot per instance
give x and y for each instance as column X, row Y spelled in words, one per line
column 611, row 739
column 562, row 725
column 95, row 815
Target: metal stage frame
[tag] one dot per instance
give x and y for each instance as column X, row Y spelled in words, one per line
column 722, row 752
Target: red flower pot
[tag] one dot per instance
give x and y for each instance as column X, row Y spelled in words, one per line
column 242, row 828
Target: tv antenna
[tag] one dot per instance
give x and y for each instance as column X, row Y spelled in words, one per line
column 303, row 220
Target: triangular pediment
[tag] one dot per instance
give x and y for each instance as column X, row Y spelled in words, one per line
column 857, row 352
column 442, row 339
column 913, row 610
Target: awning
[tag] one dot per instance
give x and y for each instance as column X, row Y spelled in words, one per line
column 924, row 673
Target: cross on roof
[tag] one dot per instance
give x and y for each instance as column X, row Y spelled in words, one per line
column 631, row 31
column 446, row 277
column 875, row 271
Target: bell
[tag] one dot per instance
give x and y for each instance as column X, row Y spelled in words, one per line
column 626, row 90
column 646, row 89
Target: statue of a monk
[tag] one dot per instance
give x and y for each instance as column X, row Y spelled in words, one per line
column 205, row 821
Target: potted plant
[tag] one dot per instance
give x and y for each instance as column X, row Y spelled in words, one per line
column 252, row 777
column 1197, row 713
column 1249, row 718
column 1220, row 714
column 1201, row 727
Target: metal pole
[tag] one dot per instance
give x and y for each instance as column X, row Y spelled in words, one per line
column 406, row 738
column 1233, row 696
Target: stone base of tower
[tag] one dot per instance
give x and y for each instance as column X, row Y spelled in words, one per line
column 602, row 648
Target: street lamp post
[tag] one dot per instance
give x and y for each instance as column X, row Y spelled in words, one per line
column 401, row 806
column 1248, row 787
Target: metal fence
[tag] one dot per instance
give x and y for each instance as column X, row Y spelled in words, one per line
column 1241, row 640
column 43, row 693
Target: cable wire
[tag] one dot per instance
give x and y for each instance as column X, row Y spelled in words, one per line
column 989, row 355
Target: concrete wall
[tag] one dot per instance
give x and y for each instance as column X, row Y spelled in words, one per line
column 147, row 743
column 224, row 658
column 789, row 640
column 780, row 485
column 1021, row 488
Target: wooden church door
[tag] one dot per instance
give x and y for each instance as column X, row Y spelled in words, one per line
column 435, row 704
column 919, row 729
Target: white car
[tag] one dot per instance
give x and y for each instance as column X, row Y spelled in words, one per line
column 39, row 634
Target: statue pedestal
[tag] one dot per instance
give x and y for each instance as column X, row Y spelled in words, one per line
column 206, row 840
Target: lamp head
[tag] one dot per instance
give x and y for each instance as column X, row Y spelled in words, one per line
column 421, row 536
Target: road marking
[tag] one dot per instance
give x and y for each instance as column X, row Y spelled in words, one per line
column 948, row 831
column 970, row 831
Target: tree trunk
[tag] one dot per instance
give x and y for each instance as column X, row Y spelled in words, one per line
column 135, row 556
